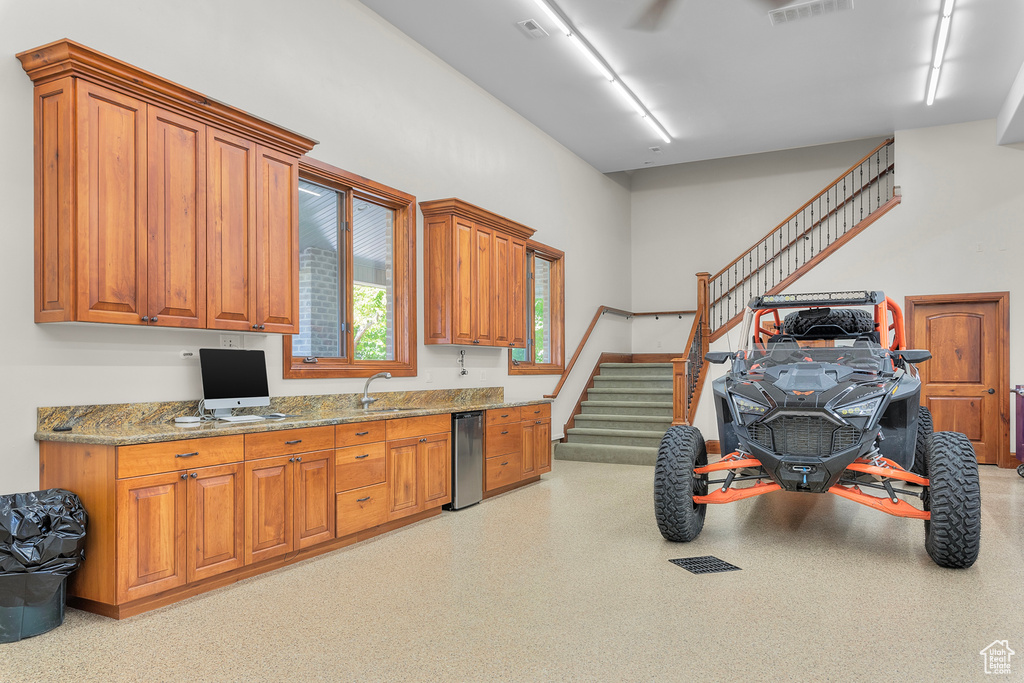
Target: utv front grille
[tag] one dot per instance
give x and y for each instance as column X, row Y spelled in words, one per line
column 803, row 435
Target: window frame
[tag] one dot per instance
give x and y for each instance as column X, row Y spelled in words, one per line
column 556, row 258
column 403, row 272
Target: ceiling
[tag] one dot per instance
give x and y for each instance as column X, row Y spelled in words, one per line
column 720, row 77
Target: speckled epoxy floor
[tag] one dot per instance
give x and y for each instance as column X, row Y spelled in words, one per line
column 569, row 580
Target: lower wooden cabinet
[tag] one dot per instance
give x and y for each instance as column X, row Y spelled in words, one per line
column 150, row 535
column 517, row 445
column 419, row 474
column 361, row 509
column 290, row 504
column 215, row 521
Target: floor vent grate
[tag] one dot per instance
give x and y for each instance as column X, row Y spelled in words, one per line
column 706, row 564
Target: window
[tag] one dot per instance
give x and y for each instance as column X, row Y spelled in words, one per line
column 357, row 279
column 545, row 346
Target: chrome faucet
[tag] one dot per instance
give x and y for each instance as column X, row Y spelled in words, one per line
column 366, row 400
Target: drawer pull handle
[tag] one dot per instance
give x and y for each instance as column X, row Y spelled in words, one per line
column 363, row 500
column 423, row 440
column 186, row 455
column 505, row 415
column 505, row 432
column 362, row 433
column 504, row 463
column 292, row 443
column 364, row 455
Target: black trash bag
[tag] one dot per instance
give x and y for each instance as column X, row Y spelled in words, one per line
column 41, row 533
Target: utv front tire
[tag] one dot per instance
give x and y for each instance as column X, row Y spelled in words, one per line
column 953, row 535
column 682, row 450
column 924, row 430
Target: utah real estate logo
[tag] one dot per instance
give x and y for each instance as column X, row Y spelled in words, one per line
column 997, row 657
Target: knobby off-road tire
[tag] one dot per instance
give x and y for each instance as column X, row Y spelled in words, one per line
column 682, row 450
column 953, row 535
column 924, row 430
column 853, row 320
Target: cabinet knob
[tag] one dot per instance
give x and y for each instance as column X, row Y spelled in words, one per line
column 255, row 326
column 476, row 341
column 423, row 440
column 153, row 319
column 291, row 459
column 540, row 422
column 184, row 476
column 298, row 459
column 145, row 318
column 263, row 327
column 511, row 343
column 194, row 475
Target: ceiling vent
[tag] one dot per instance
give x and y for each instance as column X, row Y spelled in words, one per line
column 808, row 10
column 531, row 28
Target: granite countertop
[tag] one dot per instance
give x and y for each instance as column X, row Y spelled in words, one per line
column 124, row 424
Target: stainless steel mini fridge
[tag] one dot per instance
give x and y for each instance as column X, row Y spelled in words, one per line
column 467, row 459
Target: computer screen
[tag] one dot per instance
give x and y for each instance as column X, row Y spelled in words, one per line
column 234, row 378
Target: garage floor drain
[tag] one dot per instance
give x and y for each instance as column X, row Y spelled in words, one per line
column 705, row 564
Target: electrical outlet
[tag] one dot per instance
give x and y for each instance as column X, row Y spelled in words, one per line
column 231, row 341
column 428, row 378
column 483, row 375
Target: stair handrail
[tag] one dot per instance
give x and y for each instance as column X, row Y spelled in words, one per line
column 754, row 270
column 601, row 310
column 802, row 208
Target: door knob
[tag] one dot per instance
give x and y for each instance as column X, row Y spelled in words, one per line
column 991, row 391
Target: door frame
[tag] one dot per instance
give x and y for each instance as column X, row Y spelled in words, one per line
column 1002, row 300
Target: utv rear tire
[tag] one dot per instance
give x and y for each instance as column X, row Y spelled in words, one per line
column 675, row 484
column 853, row 320
column 953, row 535
column 924, row 430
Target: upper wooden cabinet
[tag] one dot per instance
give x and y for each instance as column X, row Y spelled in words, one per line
column 475, row 265
column 157, row 205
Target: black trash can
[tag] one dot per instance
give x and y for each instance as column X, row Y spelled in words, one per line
column 42, row 540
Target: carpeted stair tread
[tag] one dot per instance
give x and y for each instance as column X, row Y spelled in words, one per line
column 626, row 455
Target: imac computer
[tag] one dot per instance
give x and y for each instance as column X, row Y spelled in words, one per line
column 233, row 378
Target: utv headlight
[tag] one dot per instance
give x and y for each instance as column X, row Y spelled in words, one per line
column 747, row 407
column 862, row 409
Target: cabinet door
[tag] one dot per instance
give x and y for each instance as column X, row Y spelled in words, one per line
column 529, row 459
column 483, row 286
column 231, row 231
column 542, row 446
column 404, row 493
column 277, row 242
column 268, row 508
column 520, row 317
column 437, row 280
column 463, row 284
column 314, row 498
column 216, row 520
column 436, row 478
column 150, row 535
column 500, row 318
column 177, row 220
column 111, row 180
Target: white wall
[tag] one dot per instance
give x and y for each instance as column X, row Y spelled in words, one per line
column 381, row 106
column 958, row 228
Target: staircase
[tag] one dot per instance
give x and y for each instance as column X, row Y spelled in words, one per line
column 623, row 417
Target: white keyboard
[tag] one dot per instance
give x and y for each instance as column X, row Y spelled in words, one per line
column 241, row 418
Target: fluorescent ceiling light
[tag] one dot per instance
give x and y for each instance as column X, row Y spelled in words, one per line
column 589, row 53
column 595, row 58
column 940, row 51
column 553, row 16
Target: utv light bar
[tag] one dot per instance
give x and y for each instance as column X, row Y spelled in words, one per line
column 817, row 299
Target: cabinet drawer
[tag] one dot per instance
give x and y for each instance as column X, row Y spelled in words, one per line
column 503, row 438
column 502, row 471
column 358, row 466
column 361, row 509
column 358, row 432
column 288, row 441
column 419, row 426
column 538, row 411
column 169, row 456
column 502, row 416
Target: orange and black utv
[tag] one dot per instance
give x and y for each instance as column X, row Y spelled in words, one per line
column 825, row 400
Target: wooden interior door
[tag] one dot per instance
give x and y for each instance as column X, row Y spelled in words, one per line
column 150, row 535
column 268, row 508
column 216, row 520
column 177, row 219
column 314, row 498
column 966, row 383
